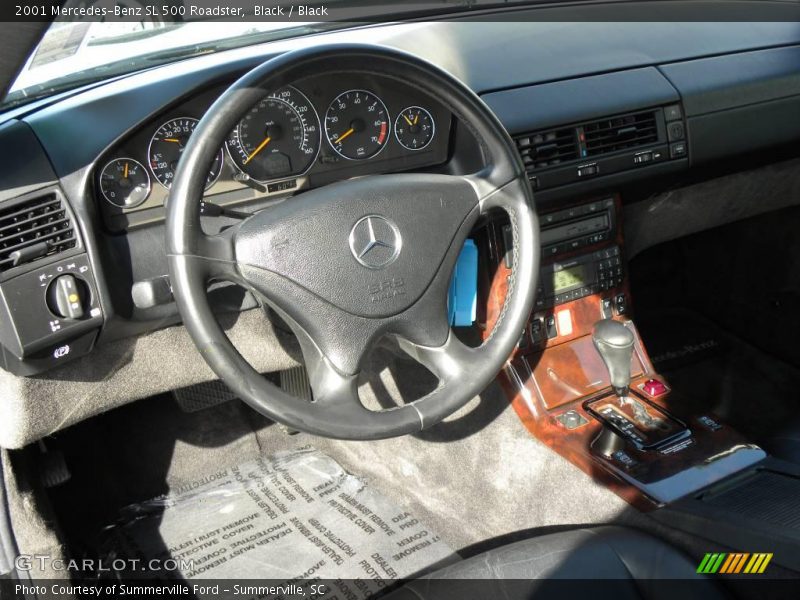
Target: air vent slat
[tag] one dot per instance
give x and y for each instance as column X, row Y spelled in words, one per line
column 50, row 237
column 640, row 132
column 620, row 133
column 588, row 140
column 43, row 220
column 13, row 217
column 547, row 148
column 35, row 224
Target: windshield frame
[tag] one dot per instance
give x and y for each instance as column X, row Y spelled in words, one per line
column 17, row 98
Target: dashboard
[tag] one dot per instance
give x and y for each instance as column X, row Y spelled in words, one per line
column 93, row 166
column 311, row 133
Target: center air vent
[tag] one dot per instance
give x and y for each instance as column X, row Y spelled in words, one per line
column 548, row 148
column 33, row 229
column 619, row 133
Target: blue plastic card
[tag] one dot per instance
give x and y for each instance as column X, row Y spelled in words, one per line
column 462, row 300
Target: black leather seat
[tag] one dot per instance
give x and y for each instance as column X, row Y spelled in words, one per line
column 632, row 565
column 785, row 443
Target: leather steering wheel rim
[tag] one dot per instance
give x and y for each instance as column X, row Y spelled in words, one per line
column 337, row 324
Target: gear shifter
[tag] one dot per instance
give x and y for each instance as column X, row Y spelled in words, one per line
column 632, row 417
column 614, row 343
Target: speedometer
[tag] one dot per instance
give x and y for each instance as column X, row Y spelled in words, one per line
column 166, row 149
column 279, row 137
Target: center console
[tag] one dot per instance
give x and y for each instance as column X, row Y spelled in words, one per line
column 581, row 380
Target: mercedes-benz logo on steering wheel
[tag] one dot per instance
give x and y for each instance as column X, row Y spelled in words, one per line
column 375, row 241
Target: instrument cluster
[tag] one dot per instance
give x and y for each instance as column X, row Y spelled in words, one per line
column 296, row 137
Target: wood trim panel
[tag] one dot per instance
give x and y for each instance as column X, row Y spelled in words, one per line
column 563, row 373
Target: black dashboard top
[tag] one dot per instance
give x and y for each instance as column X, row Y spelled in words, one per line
column 487, row 56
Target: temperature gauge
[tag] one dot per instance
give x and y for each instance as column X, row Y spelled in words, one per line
column 125, row 182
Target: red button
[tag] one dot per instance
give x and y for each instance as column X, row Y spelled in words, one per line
column 654, row 387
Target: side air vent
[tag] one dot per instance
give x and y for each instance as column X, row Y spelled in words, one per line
column 548, row 148
column 620, row 133
column 33, row 229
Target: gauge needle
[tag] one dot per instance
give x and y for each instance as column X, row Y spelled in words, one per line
column 416, row 119
column 344, row 135
column 173, row 140
column 407, row 120
column 257, row 150
column 125, row 174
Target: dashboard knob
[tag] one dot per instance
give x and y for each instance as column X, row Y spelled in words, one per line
column 66, row 297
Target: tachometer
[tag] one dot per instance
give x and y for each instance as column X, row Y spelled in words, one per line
column 279, row 137
column 357, row 124
column 166, row 148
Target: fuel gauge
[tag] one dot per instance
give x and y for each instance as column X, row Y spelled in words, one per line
column 414, row 128
column 125, row 182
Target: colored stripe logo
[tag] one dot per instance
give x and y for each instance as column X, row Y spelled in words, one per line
column 734, row 563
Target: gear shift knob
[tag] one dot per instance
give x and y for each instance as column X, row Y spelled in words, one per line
column 614, row 343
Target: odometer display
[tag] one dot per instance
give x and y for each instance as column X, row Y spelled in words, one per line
column 279, row 137
column 166, row 149
column 357, row 125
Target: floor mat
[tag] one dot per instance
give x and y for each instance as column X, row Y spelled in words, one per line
column 675, row 338
column 298, row 514
column 714, row 370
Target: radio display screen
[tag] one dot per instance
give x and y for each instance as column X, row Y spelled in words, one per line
column 568, row 278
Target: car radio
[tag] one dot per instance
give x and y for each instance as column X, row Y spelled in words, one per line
column 574, row 278
column 565, row 232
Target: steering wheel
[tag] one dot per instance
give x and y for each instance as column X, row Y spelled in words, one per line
column 351, row 262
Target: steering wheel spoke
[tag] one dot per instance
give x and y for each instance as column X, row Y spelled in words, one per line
column 219, row 254
column 332, row 390
column 447, row 362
